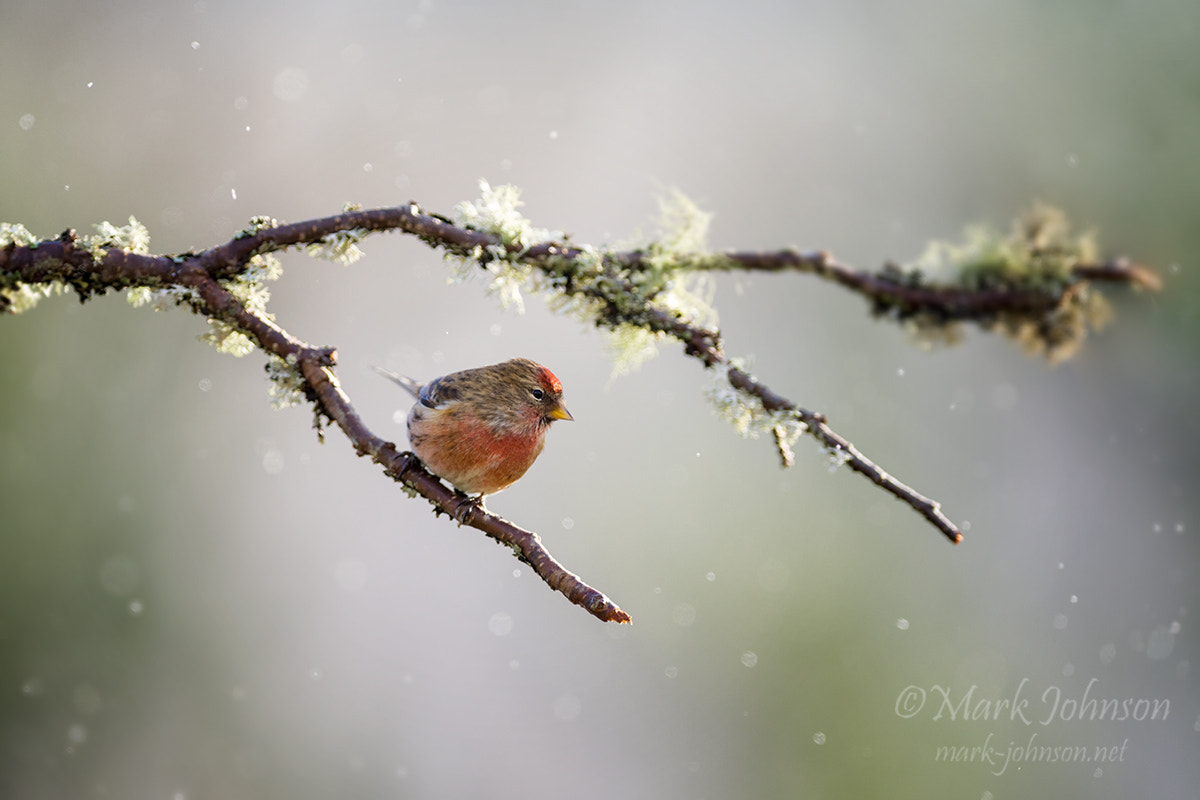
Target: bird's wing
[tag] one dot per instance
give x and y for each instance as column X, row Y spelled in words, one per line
column 439, row 392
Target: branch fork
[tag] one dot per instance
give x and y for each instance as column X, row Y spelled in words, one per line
column 1034, row 285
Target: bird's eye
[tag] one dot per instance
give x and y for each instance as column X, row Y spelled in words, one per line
column 538, row 394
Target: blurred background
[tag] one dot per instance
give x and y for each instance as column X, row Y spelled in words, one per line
column 200, row 600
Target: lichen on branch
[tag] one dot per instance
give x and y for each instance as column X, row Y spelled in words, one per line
column 595, row 285
column 1035, row 285
column 1039, row 256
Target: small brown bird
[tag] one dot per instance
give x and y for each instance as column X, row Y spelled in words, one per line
column 481, row 429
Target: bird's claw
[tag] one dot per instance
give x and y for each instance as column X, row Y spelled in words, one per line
column 465, row 508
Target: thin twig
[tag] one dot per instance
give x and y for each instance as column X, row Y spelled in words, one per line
column 819, row 428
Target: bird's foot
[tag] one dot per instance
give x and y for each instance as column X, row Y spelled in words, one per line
column 466, row 506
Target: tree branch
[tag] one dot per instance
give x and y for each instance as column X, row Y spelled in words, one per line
column 61, row 260
column 1033, row 285
column 407, row 469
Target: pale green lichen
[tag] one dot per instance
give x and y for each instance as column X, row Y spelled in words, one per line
column 664, row 278
column 587, row 284
column 21, row 297
column 18, row 296
column 746, row 413
column 256, row 225
column 139, row 296
column 585, row 268
column 250, row 288
column 788, row 428
column 691, row 295
column 16, row 234
column 837, row 457
column 132, row 238
column 929, row 332
column 505, row 278
column 743, row 412
column 683, row 226
column 287, row 384
column 631, row 346
column 1039, row 252
column 341, row 247
column 464, row 267
column 496, row 212
column 669, row 266
column 227, row 339
column 160, row 299
column 1037, row 255
column 250, row 285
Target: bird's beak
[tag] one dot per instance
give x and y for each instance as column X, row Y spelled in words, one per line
column 560, row 412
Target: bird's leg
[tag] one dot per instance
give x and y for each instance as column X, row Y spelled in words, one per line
column 465, row 508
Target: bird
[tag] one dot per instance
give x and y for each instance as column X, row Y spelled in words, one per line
column 481, row 429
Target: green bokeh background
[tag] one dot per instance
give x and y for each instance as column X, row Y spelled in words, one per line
column 197, row 599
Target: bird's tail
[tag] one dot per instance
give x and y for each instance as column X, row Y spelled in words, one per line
column 409, row 385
